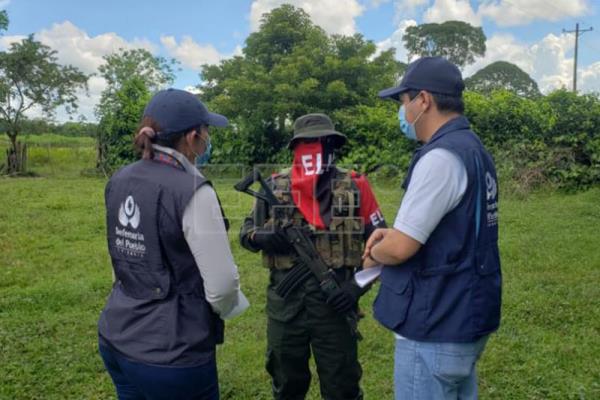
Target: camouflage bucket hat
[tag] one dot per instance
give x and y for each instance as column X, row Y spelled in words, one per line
column 311, row 126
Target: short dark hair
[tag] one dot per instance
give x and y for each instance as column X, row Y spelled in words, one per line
column 444, row 102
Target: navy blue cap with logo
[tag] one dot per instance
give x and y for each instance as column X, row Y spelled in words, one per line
column 177, row 111
column 432, row 74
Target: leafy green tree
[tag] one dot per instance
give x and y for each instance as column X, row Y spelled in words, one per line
column 281, row 30
column 117, row 128
column 457, row 41
column 32, row 126
column 76, row 128
column 3, row 20
column 155, row 72
column 30, row 77
column 290, row 67
column 131, row 76
column 503, row 75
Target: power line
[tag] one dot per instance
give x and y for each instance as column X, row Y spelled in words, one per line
column 578, row 32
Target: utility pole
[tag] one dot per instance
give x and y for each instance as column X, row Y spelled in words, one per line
column 578, row 32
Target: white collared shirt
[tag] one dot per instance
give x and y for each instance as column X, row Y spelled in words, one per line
column 438, row 183
column 205, row 234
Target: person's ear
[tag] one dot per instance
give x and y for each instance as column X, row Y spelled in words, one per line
column 427, row 100
column 189, row 139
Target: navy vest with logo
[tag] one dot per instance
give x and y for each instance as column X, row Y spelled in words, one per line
column 450, row 291
column 157, row 312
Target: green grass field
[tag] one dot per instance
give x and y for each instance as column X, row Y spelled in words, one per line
column 55, row 275
column 55, row 156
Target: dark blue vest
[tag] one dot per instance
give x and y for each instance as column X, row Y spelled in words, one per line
column 450, row 291
column 157, row 312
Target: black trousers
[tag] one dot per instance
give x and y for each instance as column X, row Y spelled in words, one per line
column 303, row 325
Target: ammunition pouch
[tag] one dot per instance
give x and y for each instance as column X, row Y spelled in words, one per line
column 341, row 244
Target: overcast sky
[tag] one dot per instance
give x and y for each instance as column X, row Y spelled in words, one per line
column 525, row 32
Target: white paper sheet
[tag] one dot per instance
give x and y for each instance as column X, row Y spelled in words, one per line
column 366, row 276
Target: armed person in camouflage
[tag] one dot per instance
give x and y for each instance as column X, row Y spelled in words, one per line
column 339, row 209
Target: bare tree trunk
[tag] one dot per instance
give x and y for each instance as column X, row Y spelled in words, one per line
column 99, row 152
column 13, row 140
column 16, row 156
column 23, row 157
column 11, row 156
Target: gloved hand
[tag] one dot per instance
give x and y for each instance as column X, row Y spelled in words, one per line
column 345, row 297
column 271, row 240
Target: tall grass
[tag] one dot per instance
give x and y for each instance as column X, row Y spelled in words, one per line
column 51, row 139
column 56, row 156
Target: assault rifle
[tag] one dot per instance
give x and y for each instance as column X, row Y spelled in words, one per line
column 309, row 261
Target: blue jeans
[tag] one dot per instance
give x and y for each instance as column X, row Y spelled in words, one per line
column 137, row 381
column 436, row 371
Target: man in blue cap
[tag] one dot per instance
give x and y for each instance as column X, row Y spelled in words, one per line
column 440, row 289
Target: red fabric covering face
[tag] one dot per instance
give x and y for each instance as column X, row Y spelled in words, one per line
column 309, row 162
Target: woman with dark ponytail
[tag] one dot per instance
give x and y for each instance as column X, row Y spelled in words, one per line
column 175, row 277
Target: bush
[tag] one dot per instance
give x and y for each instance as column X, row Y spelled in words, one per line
column 550, row 140
column 375, row 142
column 503, row 117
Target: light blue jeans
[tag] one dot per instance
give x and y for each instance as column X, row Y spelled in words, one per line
column 436, row 371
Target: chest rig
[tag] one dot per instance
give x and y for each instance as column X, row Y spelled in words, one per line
column 341, row 243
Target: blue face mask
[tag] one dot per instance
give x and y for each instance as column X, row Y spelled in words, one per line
column 202, row 160
column 407, row 128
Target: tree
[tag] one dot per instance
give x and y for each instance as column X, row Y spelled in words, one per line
column 3, row 20
column 280, row 32
column 290, row 67
column 131, row 76
column 457, row 41
column 503, row 75
column 117, row 127
column 154, row 72
column 31, row 77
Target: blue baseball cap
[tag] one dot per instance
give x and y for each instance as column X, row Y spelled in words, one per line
column 177, row 111
column 433, row 74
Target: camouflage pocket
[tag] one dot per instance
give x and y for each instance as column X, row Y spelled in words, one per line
column 353, row 241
